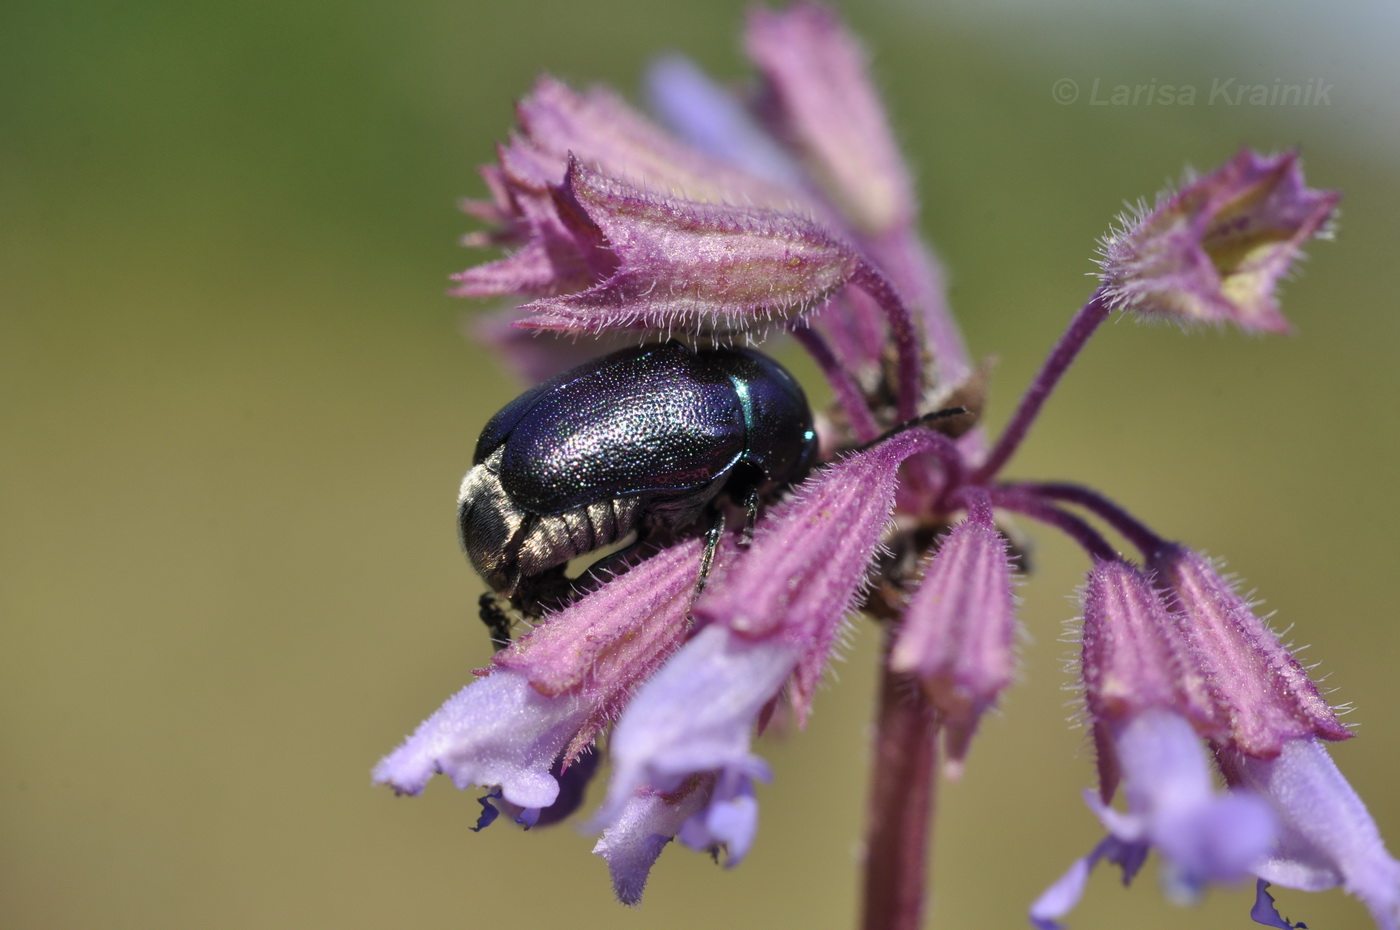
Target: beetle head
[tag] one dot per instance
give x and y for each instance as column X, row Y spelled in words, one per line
column 489, row 525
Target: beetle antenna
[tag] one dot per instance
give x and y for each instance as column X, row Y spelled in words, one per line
column 922, row 420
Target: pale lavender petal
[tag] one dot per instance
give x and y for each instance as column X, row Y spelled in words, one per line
column 696, row 715
column 1061, row 897
column 1216, row 842
column 498, row 730
column 573, row 784
column 706, row 813
column 1205, row 836
column 642, row 828
column 729, row 822
column 709, row 117
column 1328, row 836
column 573, row 778
column 1164, row 766
column 1172, row 806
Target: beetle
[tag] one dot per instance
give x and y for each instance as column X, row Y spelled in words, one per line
column 642, row 440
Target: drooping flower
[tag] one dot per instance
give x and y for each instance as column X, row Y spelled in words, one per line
column 1263, row 692
column 789, row 209
column 1327, row 837
column 1147, row 701
column 1276, row 720
column 546, row 698
column 695, row 718
column 960, row 628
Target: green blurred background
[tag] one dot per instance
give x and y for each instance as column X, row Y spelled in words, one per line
column 236, row 406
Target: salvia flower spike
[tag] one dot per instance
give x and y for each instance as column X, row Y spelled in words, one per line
column 790, row 210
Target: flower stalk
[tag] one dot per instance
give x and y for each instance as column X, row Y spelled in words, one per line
column 901, row 808
column 1085, row 323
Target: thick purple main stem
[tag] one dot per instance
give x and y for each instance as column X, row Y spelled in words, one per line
column 901, row 803
column 1061, row 357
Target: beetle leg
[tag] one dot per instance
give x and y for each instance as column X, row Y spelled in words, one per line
column 750, row 518
column 497, row 620
column 712, row 537
column 493, row 607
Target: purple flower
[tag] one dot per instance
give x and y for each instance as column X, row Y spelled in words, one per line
column 1263, row 692
column 1214, row 250
column 632, row 842
column 696, row 716
column 959, row 627
column 819, row 545
column 790, row 210
column 679, row 264
column 1146, row 703
column 549, row 695
column 1172, row 807
column 1327, row 838
column 498, row 731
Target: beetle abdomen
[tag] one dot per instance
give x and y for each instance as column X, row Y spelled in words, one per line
column 556, row 538
column 506, row 544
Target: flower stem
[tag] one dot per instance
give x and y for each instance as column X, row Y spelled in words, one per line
column 914, row 270
column 847, row 392
column 1130, row 526
column 910, row 390
column 1085, row 322
column 901, row 803
column 1024, row 499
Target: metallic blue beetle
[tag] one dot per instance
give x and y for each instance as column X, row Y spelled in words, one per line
column 640, row 440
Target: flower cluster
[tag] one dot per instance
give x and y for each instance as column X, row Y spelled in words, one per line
column 789, row 210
